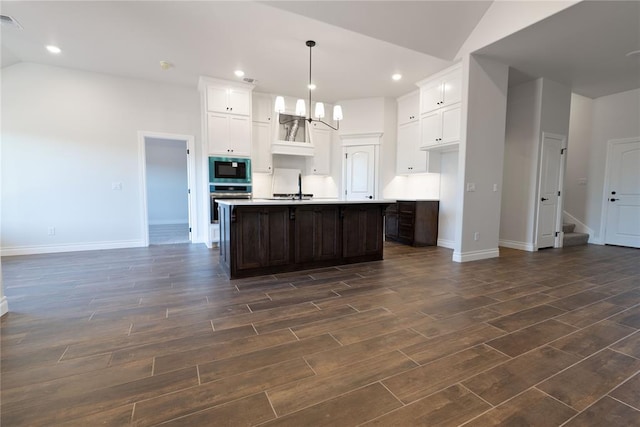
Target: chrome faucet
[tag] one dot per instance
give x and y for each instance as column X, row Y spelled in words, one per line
column 300, row 186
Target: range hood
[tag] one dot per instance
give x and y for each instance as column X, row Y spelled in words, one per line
column 293, row 137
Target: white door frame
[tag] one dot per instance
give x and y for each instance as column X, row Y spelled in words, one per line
column 360, row 139
column 563, row 164
column 605, row 189
column 191, row 180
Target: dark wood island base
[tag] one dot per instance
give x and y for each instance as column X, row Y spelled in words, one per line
column 258, row 238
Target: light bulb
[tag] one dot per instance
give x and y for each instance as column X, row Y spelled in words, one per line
column 319, row 110
column 301, row 109
column 279, row 107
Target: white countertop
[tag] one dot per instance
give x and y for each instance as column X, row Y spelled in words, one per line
column 266, row 202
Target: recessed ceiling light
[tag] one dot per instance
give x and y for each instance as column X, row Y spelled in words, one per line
column 53, row 49
column 239, row 73
column 633, row 52
column 396, row 77
column 312, row 86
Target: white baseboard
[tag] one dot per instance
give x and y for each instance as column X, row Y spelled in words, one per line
column 73, row 247
column 4, row 306
column 476, row 255
column 521, row 246
column 446, row 243
column 170, row 222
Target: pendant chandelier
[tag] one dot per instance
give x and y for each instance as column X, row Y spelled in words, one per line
column 301, row 107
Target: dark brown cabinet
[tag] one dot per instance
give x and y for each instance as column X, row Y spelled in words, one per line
column 317, row 233
column 413, row 222
column 361, row 231
column 268, row 239
column 265, row 234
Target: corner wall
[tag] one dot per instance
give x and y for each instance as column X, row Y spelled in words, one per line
column 67, row 137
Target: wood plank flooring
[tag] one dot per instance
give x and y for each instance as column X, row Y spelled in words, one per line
column 157, row 335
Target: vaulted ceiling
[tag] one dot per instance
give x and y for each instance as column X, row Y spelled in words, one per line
column 359, row 43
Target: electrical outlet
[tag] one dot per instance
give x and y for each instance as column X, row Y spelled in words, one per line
column 476, row 236
column 116, row 186
column 495, row 187
column 51, row 231
column 471, row 186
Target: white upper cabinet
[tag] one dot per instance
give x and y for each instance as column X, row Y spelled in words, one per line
column 409, row 108
column 409, row 158
column 441, row 91
column 320, row 163
column 221, row 99
column 440, row 110
column 263, row 110
column 261, row 158
column 229, row 135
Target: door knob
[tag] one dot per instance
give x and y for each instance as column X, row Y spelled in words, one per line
column 371, row 197
column 613, row 200
column 544, row 199
column 613, row 192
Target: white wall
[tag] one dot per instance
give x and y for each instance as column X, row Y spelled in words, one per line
column 519, row 183
column 167, row 182
column 481, row 157
column 578, row 154
column 532, row 108
column 506, row 17
column 67, row 136
column 448, row 199
column 614, row 117
column 362, row 116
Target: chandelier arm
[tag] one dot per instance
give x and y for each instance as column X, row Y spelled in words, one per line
column 327, row 124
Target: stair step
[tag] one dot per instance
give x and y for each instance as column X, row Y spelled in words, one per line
column 575, row 239
column 568, row 227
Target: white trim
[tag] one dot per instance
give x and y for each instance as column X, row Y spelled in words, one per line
column 169, row 222
column 446, row 243
column 191, row 181
column 557, row 241
column 4, row 306
column 521, row 246
column 580, row 226
column 602, row 238
column 476, row 255
column 72, row 247
column 361, row 139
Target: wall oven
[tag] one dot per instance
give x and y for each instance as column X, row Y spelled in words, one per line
column 229, row 170
column 221, row 191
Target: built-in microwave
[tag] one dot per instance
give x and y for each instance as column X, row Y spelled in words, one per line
column 227, row 170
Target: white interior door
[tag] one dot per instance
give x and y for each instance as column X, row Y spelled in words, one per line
column 623, row 194
column 549, row 214
column 360, row 171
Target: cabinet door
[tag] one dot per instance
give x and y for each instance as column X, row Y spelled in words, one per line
column 431, row 96
column 218, row 133
column 250, row 237
column 317, row 233
column 239, row 136
column 409, row 108
column 320, row 162
column 276, row 235
column 262, row 108
column 409, row 158
column 450, row 131
column 261, row 148
column 391, row 225
column 362, row 231
column 217, row 99
column 239, row 101
column 431, row 124
column 452, row 88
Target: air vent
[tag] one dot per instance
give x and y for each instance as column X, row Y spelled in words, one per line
column 250, row 80
column 8, row 21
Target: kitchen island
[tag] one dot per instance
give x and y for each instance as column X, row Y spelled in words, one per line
column 260, row 237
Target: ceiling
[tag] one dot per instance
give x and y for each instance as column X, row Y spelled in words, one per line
column 354, row 57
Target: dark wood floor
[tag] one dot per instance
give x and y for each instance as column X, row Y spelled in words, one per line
column 153, row 335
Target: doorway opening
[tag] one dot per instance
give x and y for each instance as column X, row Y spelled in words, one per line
column 167, row 181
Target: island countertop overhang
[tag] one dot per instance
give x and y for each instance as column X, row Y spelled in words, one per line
column 286, row 202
